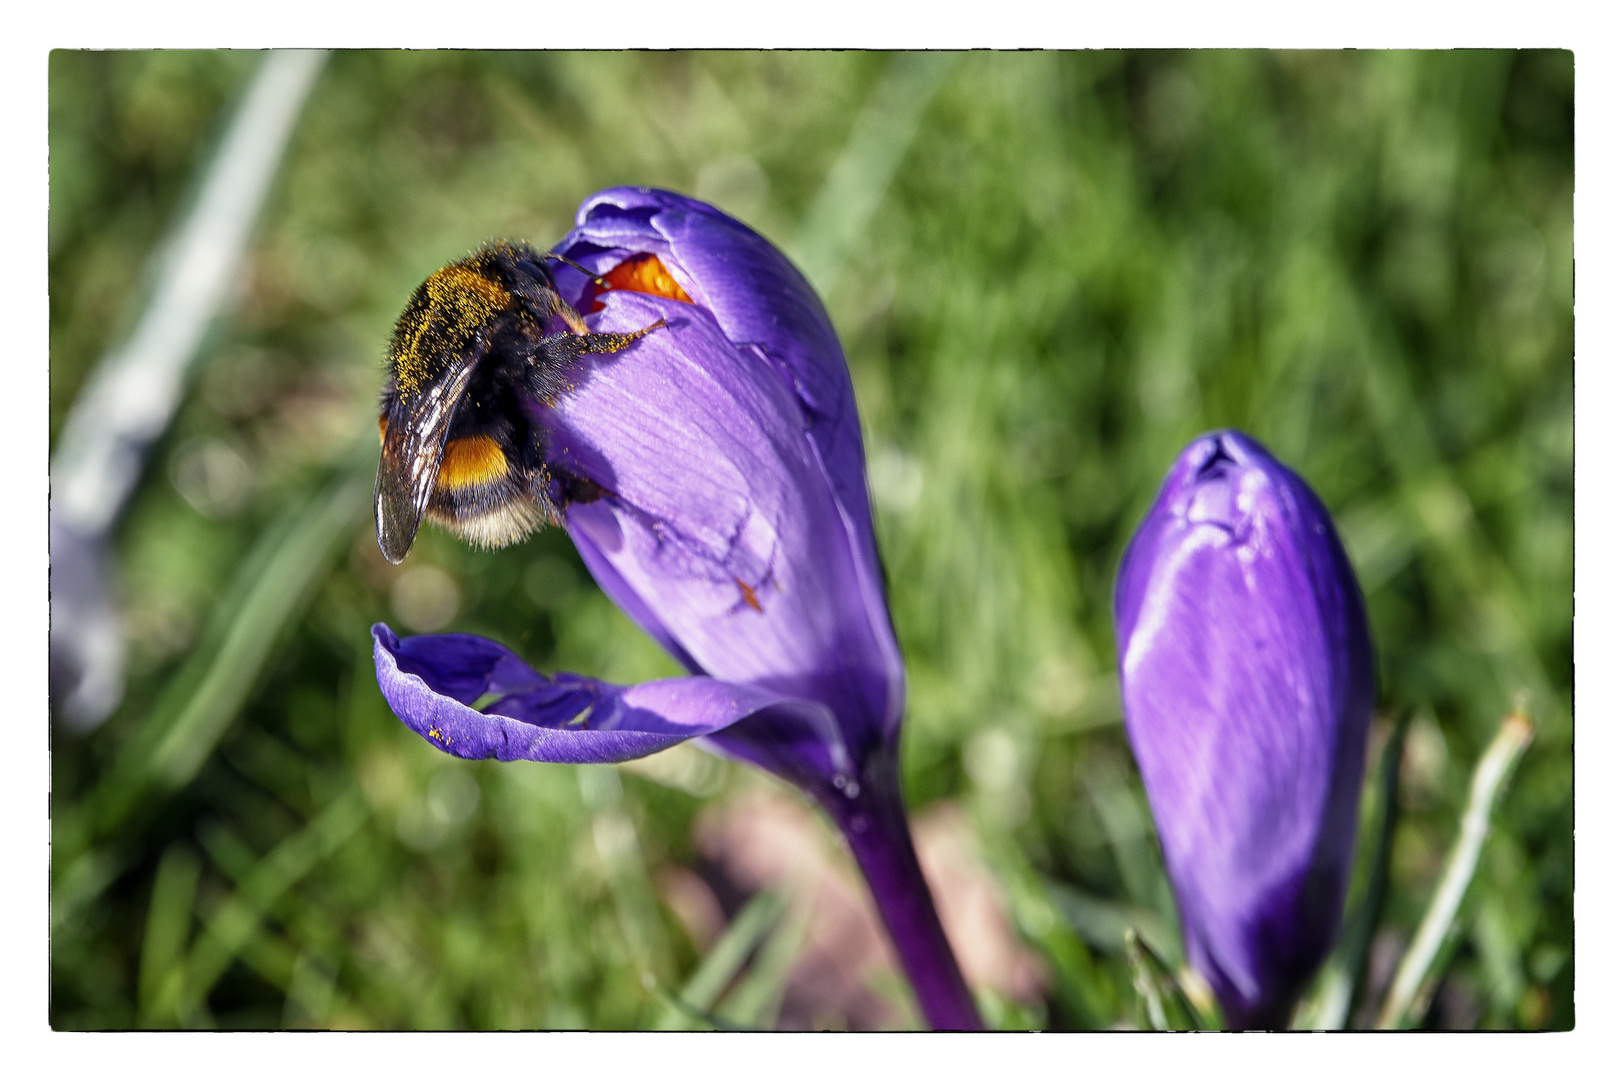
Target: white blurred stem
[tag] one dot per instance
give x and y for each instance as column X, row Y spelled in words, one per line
column 1403, row 1000
column 134, row 390
column 131, row 396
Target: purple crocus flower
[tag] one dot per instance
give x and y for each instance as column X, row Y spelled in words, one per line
column 1248, row 683
column 711, row 476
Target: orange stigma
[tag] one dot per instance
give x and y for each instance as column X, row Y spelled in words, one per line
column 644, row 274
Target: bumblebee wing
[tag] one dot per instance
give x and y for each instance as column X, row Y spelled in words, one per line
column 414, row 431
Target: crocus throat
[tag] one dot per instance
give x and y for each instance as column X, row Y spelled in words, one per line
column 640, row 273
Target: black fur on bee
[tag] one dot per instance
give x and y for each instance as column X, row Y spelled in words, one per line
column 458, row 445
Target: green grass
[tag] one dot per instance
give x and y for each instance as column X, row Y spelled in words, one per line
column 1073, row 264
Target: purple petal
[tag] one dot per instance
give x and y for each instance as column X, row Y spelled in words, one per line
column 719, row 525
column 1248, row 684
column 754, row 292
column 779, row 334
column 431, row 683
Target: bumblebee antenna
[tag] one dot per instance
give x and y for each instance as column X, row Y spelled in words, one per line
column 596, row 279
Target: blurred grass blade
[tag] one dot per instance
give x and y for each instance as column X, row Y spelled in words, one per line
column 1145, row 983
column 1164, row 994
column 1343, row 979
column 237, row 921
column 265, row 953
column 1130, row 834
column 1157, row 989
column 169, row 923
column 81, row 882
column 680, row 1008
column 752, row 923
column 279, row 594
column 615, row 838
column 860, row 176
column 312, row 992
column 269, row 590
column 1196, row 994
column 755, row 1002
column 1405, row 1003
column 1102, row 923
column 1083, row 987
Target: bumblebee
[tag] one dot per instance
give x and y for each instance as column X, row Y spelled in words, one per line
column 459, row 447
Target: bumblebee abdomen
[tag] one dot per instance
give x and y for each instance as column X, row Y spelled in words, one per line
column 471, row 461
column 485, row 494
column 491, row 522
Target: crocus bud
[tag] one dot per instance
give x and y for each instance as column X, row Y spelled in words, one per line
column 1248, row 683
column 709, row 469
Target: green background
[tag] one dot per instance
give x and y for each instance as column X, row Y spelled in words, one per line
column 1073, row 264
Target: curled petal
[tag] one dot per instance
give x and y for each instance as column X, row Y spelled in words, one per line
column 1248, row 683
column 717, row 528
column 779, row 335
column 754, row 292
column 434, row 682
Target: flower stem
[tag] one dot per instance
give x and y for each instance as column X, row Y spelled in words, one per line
column 874, row 821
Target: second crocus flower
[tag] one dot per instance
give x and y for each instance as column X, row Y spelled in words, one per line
column 1248, row 684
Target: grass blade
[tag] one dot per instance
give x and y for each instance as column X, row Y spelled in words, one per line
column 1344, row 974
column 1405, row 1002
column 169, row 923
column 1145, row 982
column 754, row 1003
column 1083, row 987
column 238, row 921
column 135, row 390
column 752, row 923
column 271, row 589
column 1102, row 923
column 1165, row 1002
column 860, row 176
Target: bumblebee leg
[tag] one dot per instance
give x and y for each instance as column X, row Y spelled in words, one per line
column 551, row 360
column 571, row 317
column 565, row 347
column 612, row 343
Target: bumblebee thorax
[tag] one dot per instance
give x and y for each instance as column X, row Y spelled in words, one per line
column 443, row 318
